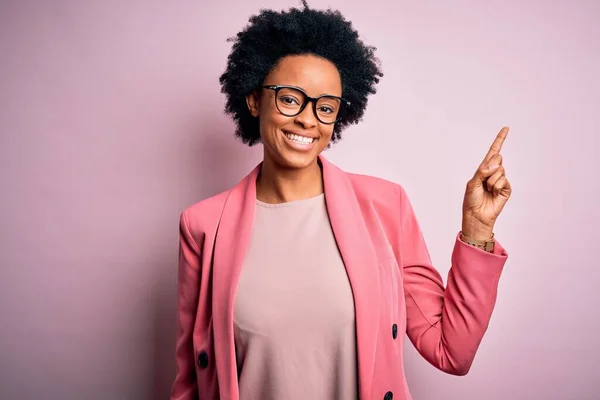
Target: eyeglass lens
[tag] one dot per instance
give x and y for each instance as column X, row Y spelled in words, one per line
column 290, row 102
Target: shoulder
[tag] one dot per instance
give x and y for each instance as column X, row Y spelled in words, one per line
column 367, row 186
column 204, row 215
column 387, row 199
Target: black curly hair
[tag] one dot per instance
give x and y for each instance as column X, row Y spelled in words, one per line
column 272, row 35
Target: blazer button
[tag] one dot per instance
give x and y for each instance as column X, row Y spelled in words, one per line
column 388, row 396
column 394, row 331
column 203, row 360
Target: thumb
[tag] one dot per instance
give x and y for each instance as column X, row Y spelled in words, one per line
column 487, row 170
column 482, row 174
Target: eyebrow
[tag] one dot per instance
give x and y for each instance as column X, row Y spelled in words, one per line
column 301, row 88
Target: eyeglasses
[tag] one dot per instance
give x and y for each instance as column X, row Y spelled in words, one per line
column 291, row 101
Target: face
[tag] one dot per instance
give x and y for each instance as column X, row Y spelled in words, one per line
column 280, row 134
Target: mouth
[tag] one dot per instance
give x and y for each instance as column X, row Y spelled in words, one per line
column 299, row 139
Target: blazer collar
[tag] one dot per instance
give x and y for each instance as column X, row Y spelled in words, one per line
column 355, row 246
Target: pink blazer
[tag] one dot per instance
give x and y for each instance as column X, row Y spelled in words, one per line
column 395, row 287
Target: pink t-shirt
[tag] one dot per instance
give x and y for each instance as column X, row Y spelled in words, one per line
column 294, row 321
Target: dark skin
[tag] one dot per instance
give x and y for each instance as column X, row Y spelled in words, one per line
column 291, row 171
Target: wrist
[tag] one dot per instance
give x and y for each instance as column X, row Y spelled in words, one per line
column 476, row 230
column 486, row 245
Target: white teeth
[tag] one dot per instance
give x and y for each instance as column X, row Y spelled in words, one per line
column 299, row 139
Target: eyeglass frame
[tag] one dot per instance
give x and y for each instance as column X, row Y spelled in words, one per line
column 314, row 100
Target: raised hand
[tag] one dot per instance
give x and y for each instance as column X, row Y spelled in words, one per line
column 486, row 194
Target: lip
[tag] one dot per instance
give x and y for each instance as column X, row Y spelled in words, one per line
column 299, row 134
column 303, row 147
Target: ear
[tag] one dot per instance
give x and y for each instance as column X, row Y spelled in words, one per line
column 253, row 102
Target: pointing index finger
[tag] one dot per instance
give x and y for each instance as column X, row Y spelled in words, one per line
column 497, row 145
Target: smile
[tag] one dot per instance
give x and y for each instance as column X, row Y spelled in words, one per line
column 299, row 139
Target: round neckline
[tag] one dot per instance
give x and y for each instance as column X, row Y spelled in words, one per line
column 289, row 203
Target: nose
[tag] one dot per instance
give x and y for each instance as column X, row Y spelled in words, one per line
column 307, row 117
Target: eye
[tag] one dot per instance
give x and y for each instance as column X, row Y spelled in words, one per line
column 326, row 109
column 288, row 100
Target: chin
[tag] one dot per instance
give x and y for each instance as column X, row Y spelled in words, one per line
column 292, row 159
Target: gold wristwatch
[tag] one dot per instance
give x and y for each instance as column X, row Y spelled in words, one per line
column 487, row 245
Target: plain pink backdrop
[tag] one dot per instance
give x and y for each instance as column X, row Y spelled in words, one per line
column 111, row 123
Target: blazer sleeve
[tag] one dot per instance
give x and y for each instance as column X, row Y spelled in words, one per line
column 446, row 325
column 185, row 386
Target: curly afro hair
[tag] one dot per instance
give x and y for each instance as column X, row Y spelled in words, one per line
column 272, row 35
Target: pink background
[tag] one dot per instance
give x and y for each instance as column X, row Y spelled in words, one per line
column 111, row 123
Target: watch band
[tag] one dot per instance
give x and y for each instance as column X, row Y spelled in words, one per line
column 486, row 245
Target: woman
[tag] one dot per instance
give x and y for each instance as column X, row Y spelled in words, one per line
column 300, row 282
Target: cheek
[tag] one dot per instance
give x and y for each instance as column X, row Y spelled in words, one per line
column 271, row 122
column 327, row 131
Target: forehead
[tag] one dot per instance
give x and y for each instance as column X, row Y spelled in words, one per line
column 315, row 75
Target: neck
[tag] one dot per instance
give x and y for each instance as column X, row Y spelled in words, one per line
column 276, row 184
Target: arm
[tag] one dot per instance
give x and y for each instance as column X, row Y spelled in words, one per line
column 185, row 386
column 446, row 325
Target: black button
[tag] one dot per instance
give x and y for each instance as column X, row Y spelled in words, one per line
column 394, row 331
column 203, row 360
column 388, row 396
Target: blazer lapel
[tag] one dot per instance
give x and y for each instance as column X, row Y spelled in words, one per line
column 231, row 245
column 357, row 251
column 360, row 259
